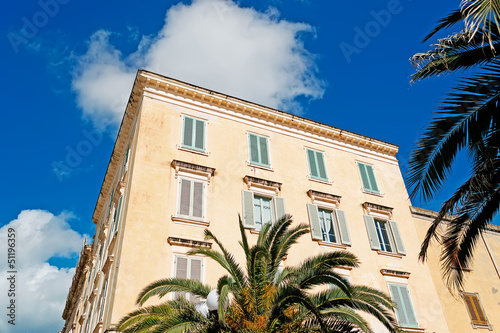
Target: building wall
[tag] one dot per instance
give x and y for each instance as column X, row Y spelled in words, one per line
column 483, row 278
column 141, row 252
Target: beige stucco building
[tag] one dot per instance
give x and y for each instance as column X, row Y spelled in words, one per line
column 187, row 158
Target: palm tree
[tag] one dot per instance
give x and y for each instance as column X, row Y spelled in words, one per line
column 263, row 296
column 467, row 121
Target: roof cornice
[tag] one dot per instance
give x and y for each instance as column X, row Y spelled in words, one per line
column 152, row 83
column 182, row 89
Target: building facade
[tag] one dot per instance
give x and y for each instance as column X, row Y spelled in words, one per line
column 187, row 158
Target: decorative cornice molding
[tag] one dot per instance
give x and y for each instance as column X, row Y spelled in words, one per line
column 431, row 215
column 158, row 84
column 268, row 185
column 322, row 196
column 204, row 171
column 376, row 209
column 77, row 283
column 395, row 272
column 189, row 242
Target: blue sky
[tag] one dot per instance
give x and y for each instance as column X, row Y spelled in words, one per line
column 67, row 71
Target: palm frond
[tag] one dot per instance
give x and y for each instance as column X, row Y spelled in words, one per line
column 162, row 287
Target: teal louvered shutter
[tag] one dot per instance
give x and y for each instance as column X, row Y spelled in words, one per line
column 371, row 178
column 185, row 197
column 368, row 178
column 312, row 210
column 321, row 166
column 264, row 152
column 254, row 148
column 397, row 238
column 372, row 232
column 279, row 208
column 317, row 168
column 404, row 308
column 396, row 297
column 193, row 136
column 311, row 158
column 199, row 141
column 345, row 237
column 248, row 209
column 118, row 211
column 187, row 137
column 259, row 151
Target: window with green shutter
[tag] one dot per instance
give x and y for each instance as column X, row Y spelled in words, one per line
column 368, row 178
column 259, row 150
column 404, row 307
column 193, row 134
column 384, row 235
column 260, row 209
column 317, row 169
column 328, row 225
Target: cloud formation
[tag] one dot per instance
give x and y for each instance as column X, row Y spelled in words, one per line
column 211, row 43
column 41, row 288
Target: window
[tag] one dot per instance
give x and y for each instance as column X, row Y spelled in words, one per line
column 116, row 217
column 404, row 308
column 259, row 151
column 368, row 178
column 384, row 235
column 191, row 198
column 260, row 209
column 328, row 225
column 102, row 302
column 475, row 309
column 188, row 267
column 317, row 168
column 193, row 135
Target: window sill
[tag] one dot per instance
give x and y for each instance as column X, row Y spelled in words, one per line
column 190, row 221
column 333, row 245
column 254, row 231
column 190, row 150
column 389, row 254
column 263, row 167
column 484, row 326
column 372, row 193
column 412, row 329
column 326, row 182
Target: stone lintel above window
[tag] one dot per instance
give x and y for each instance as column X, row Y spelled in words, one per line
column 256, row 184
column 189, row 242
column 378, row 210
column 321, row 197
column 395, row 273
column 186, row 168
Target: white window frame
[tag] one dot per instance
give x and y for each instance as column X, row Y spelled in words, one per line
column 397, row 250
column 204, row 199
column 183, row 254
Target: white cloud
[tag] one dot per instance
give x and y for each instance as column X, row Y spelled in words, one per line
column 41, row 288
column 212, row 43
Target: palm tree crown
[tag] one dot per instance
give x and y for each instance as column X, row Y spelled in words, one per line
column 468, row 121
column 264, row 296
